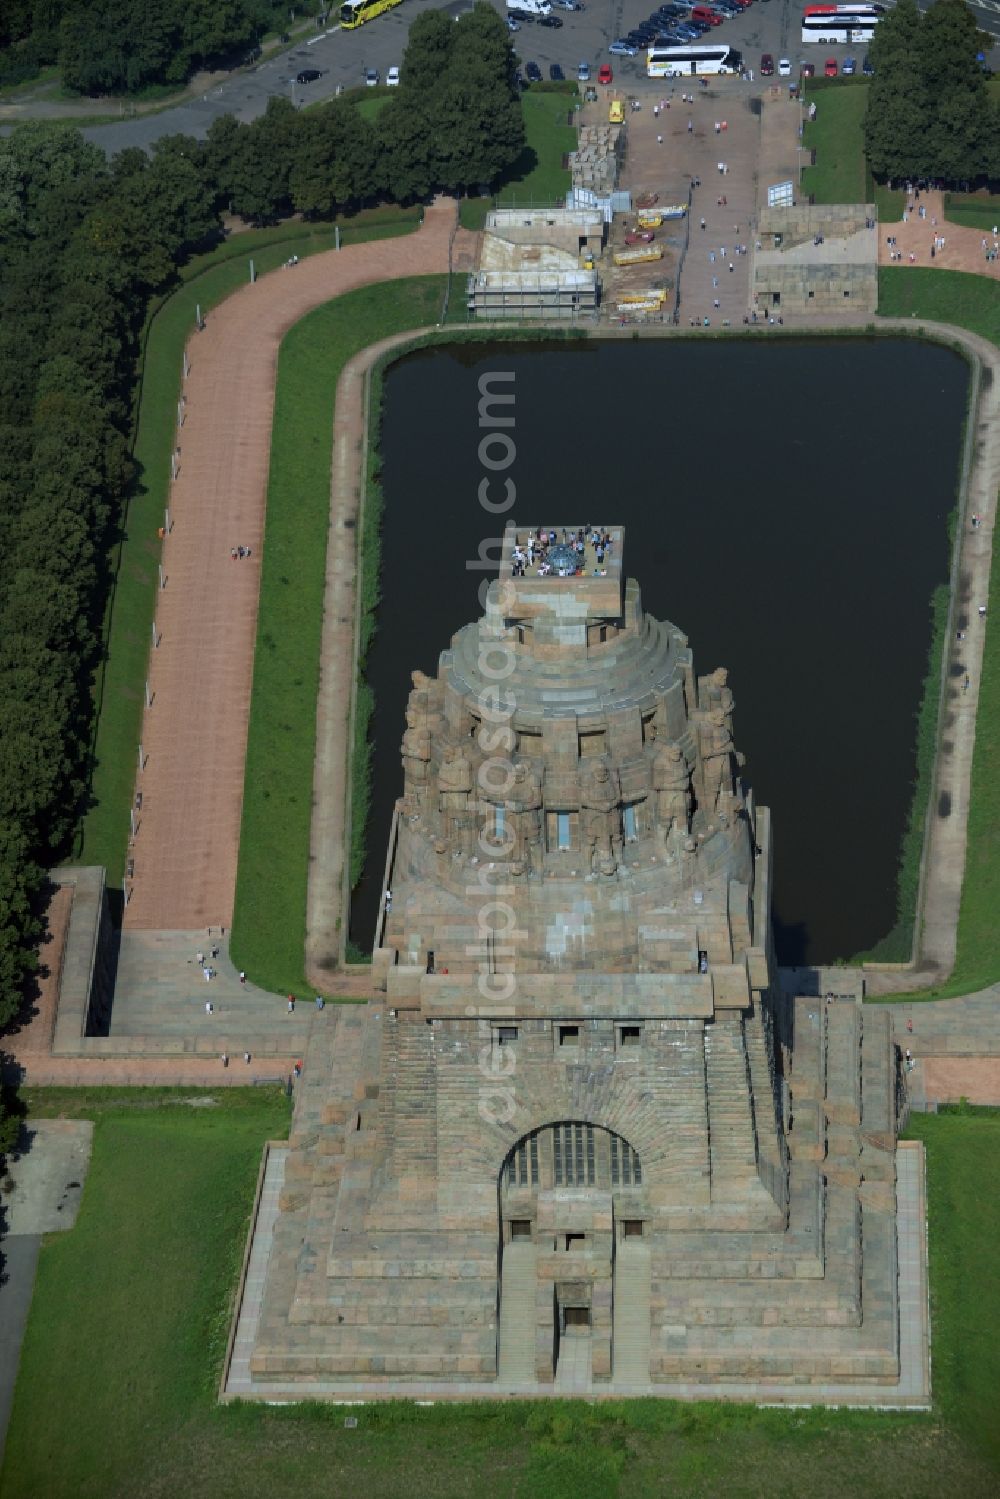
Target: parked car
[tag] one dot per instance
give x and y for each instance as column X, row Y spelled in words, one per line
column 849, row 67
column 513, row 25
column 583, row 73
column 533, row 72
column 392, row 77
column 784, row 68
column 308, row 75
column 605, row 73
column 766, row 65
column 830, row 68
column 640, row 236
column 553, row 21
column 556, row 73
column 622, row 49
column 866, row 66
column 808, row 70
column 372, row 77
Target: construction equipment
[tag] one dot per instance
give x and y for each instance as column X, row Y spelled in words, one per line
column 637, row 254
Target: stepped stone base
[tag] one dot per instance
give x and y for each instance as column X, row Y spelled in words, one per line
column 367, row 1289
column 579, row 1140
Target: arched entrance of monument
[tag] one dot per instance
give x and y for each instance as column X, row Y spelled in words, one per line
column 572, row 1210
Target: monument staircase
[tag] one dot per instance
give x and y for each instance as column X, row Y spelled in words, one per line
column 732, row 1303
column 630, row 1344
column 517, row 1314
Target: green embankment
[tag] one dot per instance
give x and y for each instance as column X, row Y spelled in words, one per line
column 971, row 302
column 119, row 690
column 268, row 939
column 117, row 1389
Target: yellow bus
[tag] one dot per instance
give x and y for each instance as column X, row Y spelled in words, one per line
column 357, row 12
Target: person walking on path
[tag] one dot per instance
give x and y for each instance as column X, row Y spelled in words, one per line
column 291, row 1004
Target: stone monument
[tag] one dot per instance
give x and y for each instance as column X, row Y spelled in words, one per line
column 579, row 1140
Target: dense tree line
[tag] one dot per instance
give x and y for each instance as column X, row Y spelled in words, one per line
column 122, row 46
column 929, row 113
column 84, row 244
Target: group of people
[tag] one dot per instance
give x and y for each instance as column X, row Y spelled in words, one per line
column 238, row 553
column 534, row 552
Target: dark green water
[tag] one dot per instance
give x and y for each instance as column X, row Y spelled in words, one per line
column 785, row 505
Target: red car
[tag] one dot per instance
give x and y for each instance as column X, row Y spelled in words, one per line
column 640, row 236
column 604, row 73
column 830, row 67
column 766, row 65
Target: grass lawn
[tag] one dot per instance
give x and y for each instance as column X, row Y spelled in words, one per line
column 116, row 1394
column 268, row 936
column 977, row 210
column 119, row 689
column 969, row 302
column 840, row 173
column 370, row 109
column 538, row 177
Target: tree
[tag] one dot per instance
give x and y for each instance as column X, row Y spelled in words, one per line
column 335, row 164
column 929, row 113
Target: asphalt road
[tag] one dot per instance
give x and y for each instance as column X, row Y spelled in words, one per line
column 768, row 26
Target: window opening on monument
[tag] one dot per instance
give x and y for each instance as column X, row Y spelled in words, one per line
column 592, row 743
column 569, row 1035
column 629, row 1035
column 506, row 1034
column 575, row 1241
column 577, row 1316
column 571, row 1154
column 499, row 823
column 529, row 743
column 628, row 824
column 562, row 830
column 520, row 1228
column 631, row 1228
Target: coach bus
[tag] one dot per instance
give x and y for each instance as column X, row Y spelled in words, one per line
column 357, row 12
column 700, row 58
column 840, row 23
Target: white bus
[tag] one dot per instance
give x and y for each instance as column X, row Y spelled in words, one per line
column 685, row 62
column 840, row 23
column 531, row 8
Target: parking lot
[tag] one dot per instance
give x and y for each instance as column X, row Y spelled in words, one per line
column 343, row 56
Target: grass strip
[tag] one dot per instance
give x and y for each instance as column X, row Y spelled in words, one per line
column 268, row 939
column 131, row 1307
column 981, row 211
column 538, row 178
column 897, row 945
column 119, row 692
column 837, row 137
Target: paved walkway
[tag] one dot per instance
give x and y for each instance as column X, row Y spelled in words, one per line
column 964, row 248
column 194, row 734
